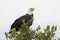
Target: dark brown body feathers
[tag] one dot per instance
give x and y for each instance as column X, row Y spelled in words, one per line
column 18, row 22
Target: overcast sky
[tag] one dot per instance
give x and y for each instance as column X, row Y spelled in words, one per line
column 47, row 12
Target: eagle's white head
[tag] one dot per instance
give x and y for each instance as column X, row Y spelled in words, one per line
column 30, row 11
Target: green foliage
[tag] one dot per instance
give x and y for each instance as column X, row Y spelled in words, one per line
column 26, row 33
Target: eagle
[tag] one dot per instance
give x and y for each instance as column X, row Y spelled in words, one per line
column 18, row 22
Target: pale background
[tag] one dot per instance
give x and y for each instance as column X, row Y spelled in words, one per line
column 47, row 12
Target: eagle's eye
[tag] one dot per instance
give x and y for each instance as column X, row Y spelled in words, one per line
column 32, row 9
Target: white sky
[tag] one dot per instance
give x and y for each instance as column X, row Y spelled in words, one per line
column 47, row 12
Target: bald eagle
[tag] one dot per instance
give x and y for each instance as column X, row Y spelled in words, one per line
column 18, row 22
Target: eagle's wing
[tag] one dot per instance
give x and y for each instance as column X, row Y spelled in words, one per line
column 17, row 23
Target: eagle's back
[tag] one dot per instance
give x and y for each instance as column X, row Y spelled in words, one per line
column 18, row 22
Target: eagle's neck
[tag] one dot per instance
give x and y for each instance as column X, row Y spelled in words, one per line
column 30, row 13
